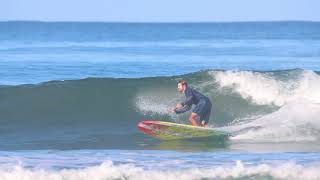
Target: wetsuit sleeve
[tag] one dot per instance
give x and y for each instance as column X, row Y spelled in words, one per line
column 183, row 109
column 188, row 100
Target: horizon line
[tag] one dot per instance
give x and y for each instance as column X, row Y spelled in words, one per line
column 160, row 22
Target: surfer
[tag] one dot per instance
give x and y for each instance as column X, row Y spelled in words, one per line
column 201, row 112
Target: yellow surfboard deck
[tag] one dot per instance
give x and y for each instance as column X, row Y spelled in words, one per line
column 174, row 131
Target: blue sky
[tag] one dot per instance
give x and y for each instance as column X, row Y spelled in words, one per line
column 160, row 10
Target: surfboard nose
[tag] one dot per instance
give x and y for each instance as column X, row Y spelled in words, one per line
column 140, row 125
column 144, row 126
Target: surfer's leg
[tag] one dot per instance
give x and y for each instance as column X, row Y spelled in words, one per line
column 205, row 117
column 193, row 119
column 199, row 110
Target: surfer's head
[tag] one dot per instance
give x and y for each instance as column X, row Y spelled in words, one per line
column 182, row 85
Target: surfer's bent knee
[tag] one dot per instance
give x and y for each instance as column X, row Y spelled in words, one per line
column 193, row 119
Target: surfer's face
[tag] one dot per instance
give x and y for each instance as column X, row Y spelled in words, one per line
column 181, row 87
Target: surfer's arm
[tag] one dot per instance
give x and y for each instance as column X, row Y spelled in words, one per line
column 189, row 97
column 182, row 110
column 187, row 102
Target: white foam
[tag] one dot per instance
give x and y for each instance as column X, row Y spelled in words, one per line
column 108, row 170
column 156, row 102
column 265, row 89
column 297, row 121
column 298, row 99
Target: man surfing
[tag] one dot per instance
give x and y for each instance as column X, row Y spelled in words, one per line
column 201, row 112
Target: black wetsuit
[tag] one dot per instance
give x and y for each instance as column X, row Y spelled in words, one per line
column 203, row 104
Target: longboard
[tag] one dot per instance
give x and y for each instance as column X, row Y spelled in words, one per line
column 173, row 131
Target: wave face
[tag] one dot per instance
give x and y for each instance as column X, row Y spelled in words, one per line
column 275, row 106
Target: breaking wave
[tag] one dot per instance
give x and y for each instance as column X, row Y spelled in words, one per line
column 108, row 170
column 273, row 106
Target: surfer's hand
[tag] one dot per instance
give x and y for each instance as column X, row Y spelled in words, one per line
column 173, row 110
column 178, row 106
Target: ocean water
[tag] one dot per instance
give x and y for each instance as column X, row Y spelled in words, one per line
column 71, row 95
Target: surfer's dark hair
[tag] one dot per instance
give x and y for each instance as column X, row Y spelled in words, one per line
column 183, row 82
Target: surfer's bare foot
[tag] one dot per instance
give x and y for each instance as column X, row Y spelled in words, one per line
column 203, row 124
